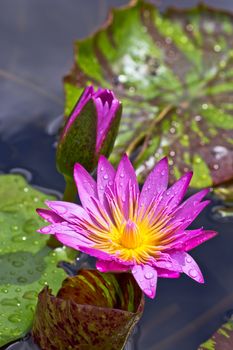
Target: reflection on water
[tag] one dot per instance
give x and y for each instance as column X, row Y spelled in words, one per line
column 184, row 313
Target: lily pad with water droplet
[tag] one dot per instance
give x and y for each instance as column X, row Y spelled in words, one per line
column 26, row 262
column 221, row 340
column 173, row 72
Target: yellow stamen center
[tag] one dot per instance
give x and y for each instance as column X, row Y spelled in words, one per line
column 131, row 237
column 140, row 237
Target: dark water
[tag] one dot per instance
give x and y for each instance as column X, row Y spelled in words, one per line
column 36, row 51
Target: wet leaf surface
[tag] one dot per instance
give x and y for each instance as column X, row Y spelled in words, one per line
column 221, row 340
column 27, row 264
column 91, row 310
column 173, row 72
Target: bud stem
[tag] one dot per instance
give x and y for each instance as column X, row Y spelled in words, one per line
column 70, row 190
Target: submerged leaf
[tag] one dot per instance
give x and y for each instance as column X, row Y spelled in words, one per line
column 225, row 193
column 224, row 211
column 221, row 340
column 26, row 263
column 173, row 72
column 91, row 311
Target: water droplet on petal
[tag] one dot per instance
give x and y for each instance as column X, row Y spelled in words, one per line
column 105, row 176
column 168, row 265
column 149, row 275
column 60, row 209
column 45, row 229
column 148, row 292
column 193, row 273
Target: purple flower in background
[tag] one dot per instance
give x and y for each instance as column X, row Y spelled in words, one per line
column 89, row 131
column 125, row 229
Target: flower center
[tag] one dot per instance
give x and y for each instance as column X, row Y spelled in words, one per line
column 131, row 237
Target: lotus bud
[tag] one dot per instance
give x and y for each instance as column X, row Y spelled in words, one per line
column 90, row 130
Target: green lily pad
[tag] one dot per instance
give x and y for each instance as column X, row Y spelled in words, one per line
column 221, row 340
column 26, row 262
column 173, row 72
column 92, row 310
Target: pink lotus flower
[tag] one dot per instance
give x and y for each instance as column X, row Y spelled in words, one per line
column 125, row 229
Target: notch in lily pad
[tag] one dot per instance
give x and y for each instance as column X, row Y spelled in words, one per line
column 91, row 310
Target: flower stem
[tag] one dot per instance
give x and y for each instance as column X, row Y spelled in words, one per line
column 70, row 190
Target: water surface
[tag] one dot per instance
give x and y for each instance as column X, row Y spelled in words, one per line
column 36, row 52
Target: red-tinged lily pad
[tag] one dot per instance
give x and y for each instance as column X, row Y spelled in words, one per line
column 173, row 72
column 91, row 311
column 221, row 340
